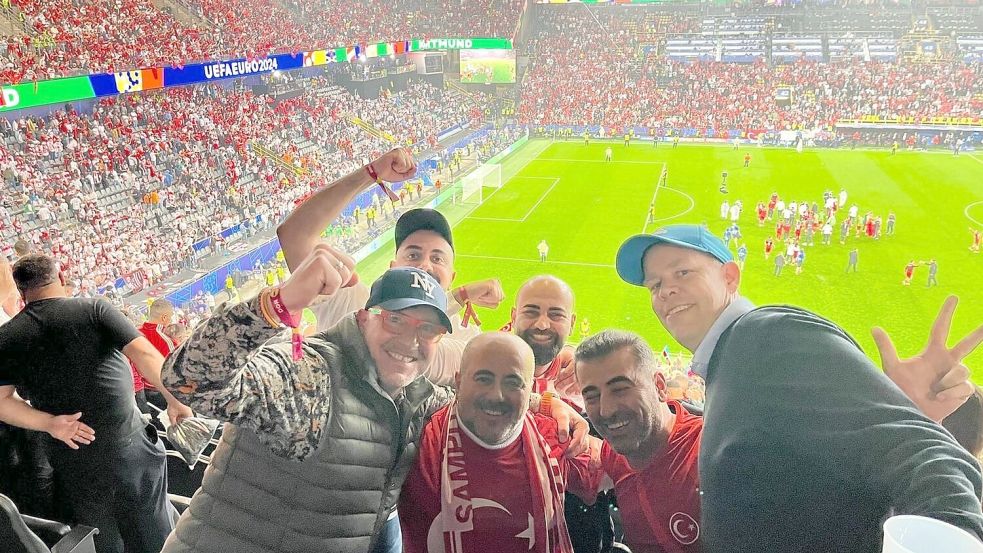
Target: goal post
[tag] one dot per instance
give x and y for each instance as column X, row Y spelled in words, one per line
column 471, row 187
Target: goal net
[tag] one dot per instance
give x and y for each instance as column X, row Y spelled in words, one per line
column 471, row 187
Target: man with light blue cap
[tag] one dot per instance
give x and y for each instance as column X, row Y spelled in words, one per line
column 806, row 445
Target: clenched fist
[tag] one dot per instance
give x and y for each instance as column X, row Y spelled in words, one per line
column 483, row 293
column 321, row 273
column 395, row 166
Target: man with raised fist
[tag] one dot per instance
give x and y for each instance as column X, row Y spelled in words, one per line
column 321, row 433
column 323, row 430
column 423, row 240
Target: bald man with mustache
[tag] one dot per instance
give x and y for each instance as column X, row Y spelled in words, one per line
column 491, row 476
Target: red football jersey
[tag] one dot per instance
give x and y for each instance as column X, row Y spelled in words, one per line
column 498, row 486
column 660, row 505
column 155, row 334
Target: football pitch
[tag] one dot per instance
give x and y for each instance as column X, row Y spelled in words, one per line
column 584, row 207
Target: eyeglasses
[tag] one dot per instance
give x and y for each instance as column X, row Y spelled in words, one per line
column 401, row 323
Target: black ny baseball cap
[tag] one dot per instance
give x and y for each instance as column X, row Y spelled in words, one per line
column 405, row 287
column 422, row 218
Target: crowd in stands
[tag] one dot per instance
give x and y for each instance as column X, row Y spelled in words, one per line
column 715, row 96
column 72, row 38
column 140, row 186
column 90, row 185
column 133, row 185
column 358, row 23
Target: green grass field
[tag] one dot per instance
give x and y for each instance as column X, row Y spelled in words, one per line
column 584, row 208
column 503, row 71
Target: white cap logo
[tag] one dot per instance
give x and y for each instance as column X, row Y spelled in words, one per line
column 427, row 285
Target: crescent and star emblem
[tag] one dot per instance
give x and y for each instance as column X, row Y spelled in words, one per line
column 684, row 528
column 435, row 538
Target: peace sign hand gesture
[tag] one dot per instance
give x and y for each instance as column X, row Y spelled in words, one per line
column 935, row 380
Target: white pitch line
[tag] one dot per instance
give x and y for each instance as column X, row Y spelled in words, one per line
column 968, row 207
column 504, row 184
column 541, row 198
column 692, row 204
column 574, row 160
column 658, row 184
column 526, row 260
column 974, row 204
column 498, row 219
column 509, row 220
column 476, row 206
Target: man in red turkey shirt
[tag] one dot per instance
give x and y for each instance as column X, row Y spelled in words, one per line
column 490, row 476
column 651, row 444
column 160, row 314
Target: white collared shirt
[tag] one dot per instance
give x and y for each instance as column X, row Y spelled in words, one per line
column 701, row 357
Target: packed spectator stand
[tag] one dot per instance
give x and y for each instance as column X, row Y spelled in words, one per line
column 137, row 163
column 149, row 162
column 58, row 39
column 132, row 184
column 849, row 73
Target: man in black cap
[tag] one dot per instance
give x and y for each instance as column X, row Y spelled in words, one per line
column 423, row 240
column 338, row 423
column 323, row 431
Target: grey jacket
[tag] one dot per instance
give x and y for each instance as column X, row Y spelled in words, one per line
column 315, row 453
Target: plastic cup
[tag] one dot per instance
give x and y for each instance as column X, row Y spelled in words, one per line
column 917, row 534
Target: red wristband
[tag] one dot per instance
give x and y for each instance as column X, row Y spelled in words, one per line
column 296, row 338
column 281, row 310
column 375, row 176
column 461, row 295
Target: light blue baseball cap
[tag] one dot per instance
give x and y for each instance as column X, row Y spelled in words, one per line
column 694, row 237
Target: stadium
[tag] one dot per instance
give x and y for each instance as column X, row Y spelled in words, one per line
column 171, row 166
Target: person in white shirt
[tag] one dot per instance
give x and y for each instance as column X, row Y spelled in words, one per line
column 423, row 240
column 544, row 250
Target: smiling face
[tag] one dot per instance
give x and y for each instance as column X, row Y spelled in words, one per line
column 543, row 316
column 493, row 385
column 689, row 290
column 399, row 358
column 430, row 252
column 626, row 403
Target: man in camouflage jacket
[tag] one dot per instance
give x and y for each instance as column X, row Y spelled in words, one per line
column 316, row 449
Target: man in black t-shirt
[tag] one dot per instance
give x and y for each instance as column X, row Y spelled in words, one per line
column 67, row 354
